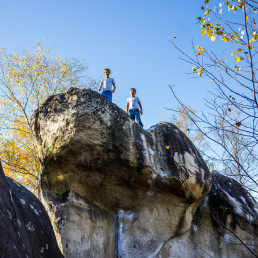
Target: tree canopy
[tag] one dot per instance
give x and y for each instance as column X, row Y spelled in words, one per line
column 26, row 81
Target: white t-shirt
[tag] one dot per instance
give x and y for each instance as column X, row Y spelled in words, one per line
column 133, row 102
column 107, row 84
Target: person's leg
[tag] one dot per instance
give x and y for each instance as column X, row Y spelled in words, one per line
column 138, row 117
column 131, row 114
column 107, row 94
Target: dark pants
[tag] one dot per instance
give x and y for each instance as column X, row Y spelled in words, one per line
column 135, row 114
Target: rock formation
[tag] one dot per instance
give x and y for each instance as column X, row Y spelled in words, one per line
column 26, row 231
column 227, row 214
column 113, row 189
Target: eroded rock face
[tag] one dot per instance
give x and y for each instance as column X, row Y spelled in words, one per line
column 227, row 213
column 26, row 230
column 110, row 187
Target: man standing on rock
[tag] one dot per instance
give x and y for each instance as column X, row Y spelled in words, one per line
column 107, row 84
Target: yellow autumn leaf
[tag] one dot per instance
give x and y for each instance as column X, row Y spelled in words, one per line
column 167, row 147
column 207, row 11
column 203, row 31
column 238, row 58
column 200, row 72
column 210, row 33
column 213, row 38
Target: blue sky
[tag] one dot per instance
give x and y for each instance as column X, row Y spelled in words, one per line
column 129, row 37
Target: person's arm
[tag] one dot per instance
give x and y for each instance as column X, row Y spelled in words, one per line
column 101, row 85
column 127, row 107
column 140, row 105
column 114, row 85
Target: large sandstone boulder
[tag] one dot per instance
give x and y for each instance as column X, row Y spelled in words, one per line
column 111, row 188
column 26, row 230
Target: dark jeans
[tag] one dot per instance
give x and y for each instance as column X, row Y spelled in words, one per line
column 135, row 113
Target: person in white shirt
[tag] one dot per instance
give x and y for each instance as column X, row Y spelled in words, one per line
column 134, row 107
column 108, row 85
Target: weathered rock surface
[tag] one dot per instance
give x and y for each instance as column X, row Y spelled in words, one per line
column 113, row 189
column 26, row 230
column 227, row 213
